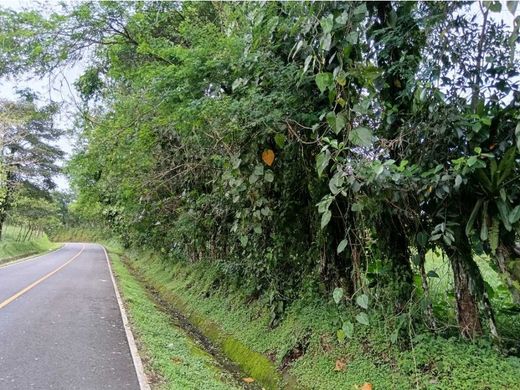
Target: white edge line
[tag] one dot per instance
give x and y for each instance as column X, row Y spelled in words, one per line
column 29, row 258
column 138, row 364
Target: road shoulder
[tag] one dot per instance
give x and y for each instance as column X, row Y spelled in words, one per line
column 139, row 369
column 178, row 362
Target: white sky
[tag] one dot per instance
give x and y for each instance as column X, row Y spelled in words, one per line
column 59, row 88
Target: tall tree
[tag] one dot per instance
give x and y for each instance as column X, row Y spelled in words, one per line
column 28, row 153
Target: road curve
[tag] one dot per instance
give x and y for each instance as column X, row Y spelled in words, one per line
column 60, row 324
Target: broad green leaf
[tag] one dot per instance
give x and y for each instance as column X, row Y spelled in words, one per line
column 484, row 232
column 331, row 119
column 503, row 210
column 394, row 336
column 325, row 42
column 308, row 60
column 269, row 177
column 266, row 211
column 348, row 328
column 493, row 6
column 493, row 168
column 506, row 165
column 279, row 140
column 362, row 301
column 511, row 6
column 484, row 181
column 472, row 160
column 337, row 294
column 327, row 23
column 259, row 170
column 325, row 203
column 360, row 9
column 422, row 239
column 336, row 122
column 352, row 37
column 362, row 318
column 325, row 218
column 324, row 80
column 340, row 334
column 341, row 78
column 484, row 228
column 432, row 274
column 336, row 183
column 514, row 216
column 340, row 123
column 322, row 161
column 517, row 135
column 361, row 136
column 342, row 245
column 343, row 18
column 472, row 217
column 458, row 181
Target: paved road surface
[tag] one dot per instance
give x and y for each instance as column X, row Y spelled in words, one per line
column 66, row 331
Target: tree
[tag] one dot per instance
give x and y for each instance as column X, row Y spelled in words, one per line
column 27, row 154
column 289, row 140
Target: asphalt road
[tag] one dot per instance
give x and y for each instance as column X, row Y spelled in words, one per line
column 60, row 324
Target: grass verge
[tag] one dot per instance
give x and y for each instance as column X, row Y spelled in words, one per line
column 172, row 359
column 10, row 249
column 304, row 344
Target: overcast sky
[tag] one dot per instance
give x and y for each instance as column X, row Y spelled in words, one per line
column 59, row 88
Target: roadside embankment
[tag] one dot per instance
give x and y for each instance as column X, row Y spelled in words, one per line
column 302, row 351
column 13, row 248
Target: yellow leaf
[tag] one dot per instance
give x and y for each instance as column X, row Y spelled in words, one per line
column 176, row 360
column 366, row 386
column 340, row 365
column 268, row 157
column 248, row 380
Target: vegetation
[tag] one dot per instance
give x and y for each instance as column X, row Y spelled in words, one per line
column 27, row 165
column 303, row 346
column 177, row 362
column 330, row 152
column 12, row 246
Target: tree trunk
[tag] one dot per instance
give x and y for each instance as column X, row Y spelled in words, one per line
column 30, row 233
column 468, row 316
column 503, row 257
column 19, row 235
column 424, row 279
column 399, row 254
column 6, row 202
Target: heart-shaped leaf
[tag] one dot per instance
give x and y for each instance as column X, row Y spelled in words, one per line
column 362, row 301
column 337, row 294
column 268, row 157
column 362, row 318
column 361, row 136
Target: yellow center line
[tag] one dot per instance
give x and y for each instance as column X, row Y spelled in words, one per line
column 34, row 284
